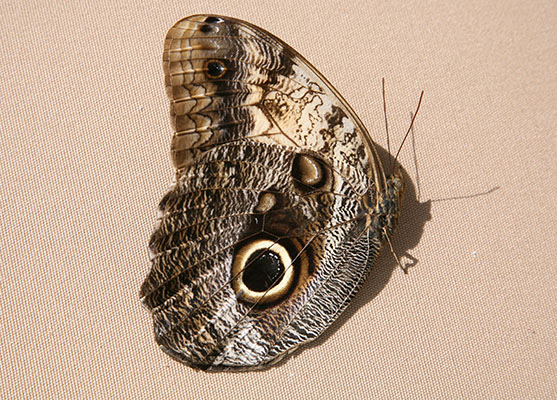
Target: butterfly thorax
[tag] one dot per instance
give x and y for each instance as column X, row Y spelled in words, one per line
column 384, row 213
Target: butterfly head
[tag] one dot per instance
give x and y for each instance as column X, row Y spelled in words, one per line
column 384, row 213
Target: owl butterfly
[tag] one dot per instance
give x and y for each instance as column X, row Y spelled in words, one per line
column 280, row 204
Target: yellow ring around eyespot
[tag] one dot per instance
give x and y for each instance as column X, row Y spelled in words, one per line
column 276, row 292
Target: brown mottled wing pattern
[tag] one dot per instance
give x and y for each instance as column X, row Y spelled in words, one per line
column 278, row 208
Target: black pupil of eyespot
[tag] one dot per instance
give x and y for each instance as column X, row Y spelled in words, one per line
column 215, row 68
column 263, row 271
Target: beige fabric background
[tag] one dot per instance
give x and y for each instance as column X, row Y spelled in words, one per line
column 85, row 159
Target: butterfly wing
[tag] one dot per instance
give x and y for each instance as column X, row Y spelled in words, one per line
column 265, row 236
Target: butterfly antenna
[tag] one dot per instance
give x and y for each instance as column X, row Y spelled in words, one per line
column 409, row 129
column 385, row 114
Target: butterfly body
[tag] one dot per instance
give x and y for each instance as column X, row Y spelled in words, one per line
column 280, row 204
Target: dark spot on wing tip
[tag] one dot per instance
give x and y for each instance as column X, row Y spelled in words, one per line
column 207, row 27
column 216, row 69
column 211, row 20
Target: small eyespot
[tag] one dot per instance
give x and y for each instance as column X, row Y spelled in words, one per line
column 267, row 201
column 309, row 172
column 216, row 69
column 211, row 20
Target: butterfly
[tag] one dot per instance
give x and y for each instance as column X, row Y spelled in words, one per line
column 280, row 203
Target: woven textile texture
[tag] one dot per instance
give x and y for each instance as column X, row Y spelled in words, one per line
column 85, row 160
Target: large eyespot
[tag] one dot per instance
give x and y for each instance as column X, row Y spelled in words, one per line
column 310, row 172
column 215, row 69
column 263, row 272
